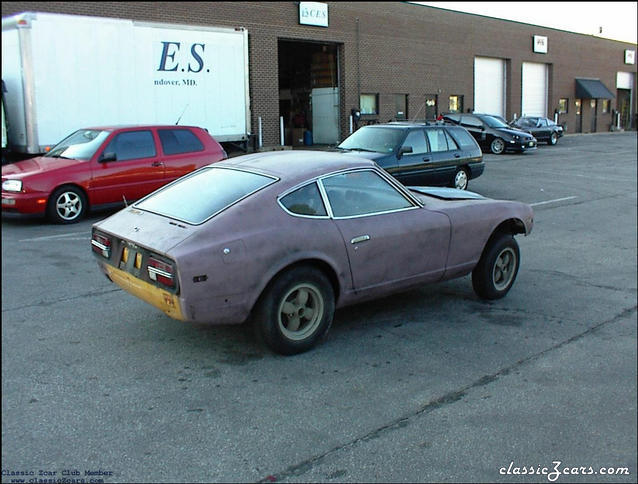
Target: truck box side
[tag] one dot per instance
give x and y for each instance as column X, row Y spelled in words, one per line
column 90, row 71
column 14, row 97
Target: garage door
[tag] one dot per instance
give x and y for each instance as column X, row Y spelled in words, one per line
column 534, row 94
column 489, row 85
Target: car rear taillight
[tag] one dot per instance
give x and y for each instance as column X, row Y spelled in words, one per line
column 101, row 245
column 161, row 272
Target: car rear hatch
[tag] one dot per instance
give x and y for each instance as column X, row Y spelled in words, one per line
column 147, row 229
column 133, row 248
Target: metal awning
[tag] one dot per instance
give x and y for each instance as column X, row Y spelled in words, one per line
column 592, row 89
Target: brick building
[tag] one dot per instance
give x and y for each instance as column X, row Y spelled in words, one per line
column 311, row 64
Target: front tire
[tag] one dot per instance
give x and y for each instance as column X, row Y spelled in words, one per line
column 496, row 271
column 497, row 146
column 295, row 311
column 553, row 139
column 67, row 205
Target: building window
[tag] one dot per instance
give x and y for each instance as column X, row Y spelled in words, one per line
column 456, row 104
column 605, row 106
column 563, row 104
column 401, row 106
column 431, row 106
column 369, row 104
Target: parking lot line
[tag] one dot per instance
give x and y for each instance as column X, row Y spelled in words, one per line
column 552, row 201
column 70, row 236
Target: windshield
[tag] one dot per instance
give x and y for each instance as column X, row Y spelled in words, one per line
column 81, row 145
column 381, row 140
column 526, row 122
column 493, row 122
column 197, row 197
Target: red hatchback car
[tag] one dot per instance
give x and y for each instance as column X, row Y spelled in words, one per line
column 102, row 167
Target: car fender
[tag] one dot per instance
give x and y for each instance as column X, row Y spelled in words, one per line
column 341, row 279
column 474, row 223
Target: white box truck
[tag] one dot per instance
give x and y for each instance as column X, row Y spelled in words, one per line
column 65, row 72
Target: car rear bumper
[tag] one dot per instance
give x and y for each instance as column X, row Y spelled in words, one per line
column 163, row 300
column 212, row 309
column 476, row 169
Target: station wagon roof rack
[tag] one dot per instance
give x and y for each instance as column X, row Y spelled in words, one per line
column 421, row 122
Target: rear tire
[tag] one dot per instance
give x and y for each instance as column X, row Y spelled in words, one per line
column 495, row 273
column 461, row 179
column 295, row 311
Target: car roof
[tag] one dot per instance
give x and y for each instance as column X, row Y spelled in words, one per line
column 136, row 126
column 295, row 166
column 408, row 124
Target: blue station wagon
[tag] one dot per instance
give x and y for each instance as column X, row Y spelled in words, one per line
column 419, row 154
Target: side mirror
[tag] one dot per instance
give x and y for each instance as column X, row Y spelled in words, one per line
column 110, row 156
column 404, row 150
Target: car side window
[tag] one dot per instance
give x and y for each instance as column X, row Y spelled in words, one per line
column 416, row 140
column 362, row 193
column 451, row 144
column 176, row 141
column 437, row 139
column 465, row 139
column 305, row 201
column 131, row 145
column 471, row 122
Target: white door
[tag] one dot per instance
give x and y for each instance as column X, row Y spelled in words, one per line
column 325, row 115
column 534, row 92
column 489, row 86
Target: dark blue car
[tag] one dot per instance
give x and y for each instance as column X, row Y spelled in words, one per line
column 419, row 154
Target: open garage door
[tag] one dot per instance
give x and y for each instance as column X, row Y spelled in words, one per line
column 534, row 92
column 309, row 92
column 489, row 86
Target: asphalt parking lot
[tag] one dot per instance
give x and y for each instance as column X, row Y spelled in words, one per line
column 429, row 385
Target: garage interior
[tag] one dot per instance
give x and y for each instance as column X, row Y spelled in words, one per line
column 308, row 92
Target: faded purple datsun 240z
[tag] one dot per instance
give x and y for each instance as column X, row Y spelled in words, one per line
column 284, row 238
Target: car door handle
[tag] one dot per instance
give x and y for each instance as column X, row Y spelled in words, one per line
column 157, row 163
column 427, row 158
column 361, row 238
column 456, row 155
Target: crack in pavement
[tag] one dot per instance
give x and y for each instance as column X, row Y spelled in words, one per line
column 44, row 303
column 581, row 282
column 447, row 399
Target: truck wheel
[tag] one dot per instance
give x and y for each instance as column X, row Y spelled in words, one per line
column 496, row 270
column 67, row 205
column 295, row 311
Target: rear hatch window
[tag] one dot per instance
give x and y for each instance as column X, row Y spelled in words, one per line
column 199, row 196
